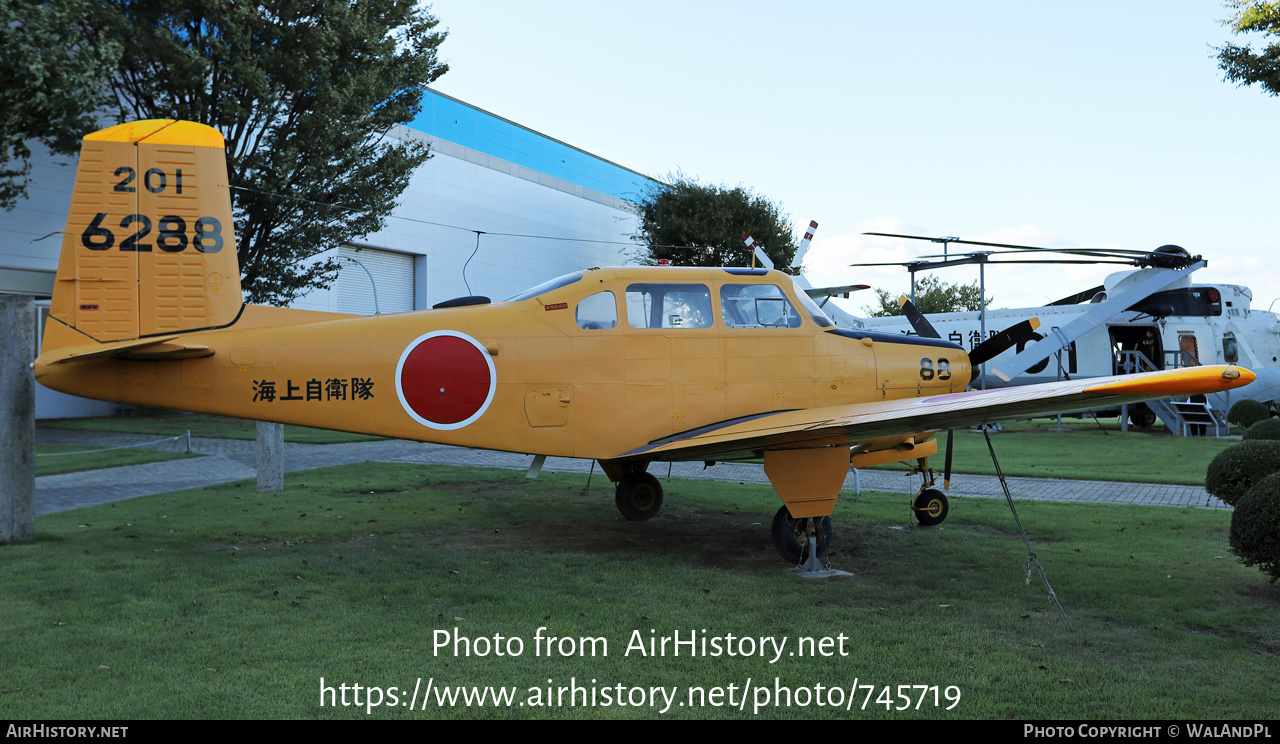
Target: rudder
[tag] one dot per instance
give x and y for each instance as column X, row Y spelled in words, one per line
column 149, row 247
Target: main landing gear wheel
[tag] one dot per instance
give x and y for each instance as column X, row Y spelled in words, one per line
column 1141, row 416
column 638, row 496
column 931, row 507
column 791, row 539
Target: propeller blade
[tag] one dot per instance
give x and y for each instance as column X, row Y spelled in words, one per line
column 1003, row 340
column 918, row 321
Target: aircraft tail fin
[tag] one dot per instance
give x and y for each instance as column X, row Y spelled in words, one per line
column 149, row 248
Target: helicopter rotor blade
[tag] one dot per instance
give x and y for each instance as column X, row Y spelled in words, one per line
column 924, row 265
column 1098, row 252
column 958, row 241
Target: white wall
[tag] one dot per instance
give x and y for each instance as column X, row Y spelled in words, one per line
column 23, row 242
column 470, row 191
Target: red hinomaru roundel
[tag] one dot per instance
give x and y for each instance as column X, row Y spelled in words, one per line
column 445, row 380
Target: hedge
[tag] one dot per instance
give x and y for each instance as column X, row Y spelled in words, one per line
column 1255, row 527
column 1236, row 469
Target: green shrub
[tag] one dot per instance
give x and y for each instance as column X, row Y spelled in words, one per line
column 1247, row 412
column 1268, row 428
column 1255, row 527
column 1236, row 469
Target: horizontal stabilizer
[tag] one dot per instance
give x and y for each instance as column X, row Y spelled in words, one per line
column 167, row 351
column 149, row 349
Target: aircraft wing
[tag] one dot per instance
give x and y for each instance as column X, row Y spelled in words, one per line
column 849, row 424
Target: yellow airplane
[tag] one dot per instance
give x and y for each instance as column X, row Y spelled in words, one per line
column 626, row 366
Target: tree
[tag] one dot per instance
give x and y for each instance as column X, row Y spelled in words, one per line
column 1240, row 63
column 51, row 83
column 932, row 296
column 692, row 224
column 303, row 92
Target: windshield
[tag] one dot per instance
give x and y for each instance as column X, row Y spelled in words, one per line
column 815, row 312
column 557, row 283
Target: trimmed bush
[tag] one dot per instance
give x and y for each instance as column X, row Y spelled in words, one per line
column 1247, row 412
column 1264, row 429
column 1255, row 527
column 1236, row 469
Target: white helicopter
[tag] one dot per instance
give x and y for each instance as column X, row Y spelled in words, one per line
column 1149, row 317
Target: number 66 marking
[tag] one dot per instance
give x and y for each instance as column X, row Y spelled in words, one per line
column 927, row 371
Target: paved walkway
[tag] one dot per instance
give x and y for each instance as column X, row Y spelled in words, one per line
column 230, row 460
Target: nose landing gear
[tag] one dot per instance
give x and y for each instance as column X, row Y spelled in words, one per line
column 930, row 507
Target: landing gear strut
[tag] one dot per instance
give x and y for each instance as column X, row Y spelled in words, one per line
column 638, row 496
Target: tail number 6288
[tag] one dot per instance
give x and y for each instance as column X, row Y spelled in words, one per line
column 172, row 237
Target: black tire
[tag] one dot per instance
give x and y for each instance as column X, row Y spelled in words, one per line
column 790, row 540
column 1142, row 416
column 639, row 497
column 931, row 507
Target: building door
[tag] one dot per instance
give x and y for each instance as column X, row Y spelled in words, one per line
column 391, row 274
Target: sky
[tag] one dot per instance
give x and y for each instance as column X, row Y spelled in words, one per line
column 1089, row 124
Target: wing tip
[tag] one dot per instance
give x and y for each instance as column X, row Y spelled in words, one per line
column 1184, row 381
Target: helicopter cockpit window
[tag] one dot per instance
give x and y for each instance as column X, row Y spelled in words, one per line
column 668, row 306
column 757, row 306
column 1230, row 350
column 598, row 312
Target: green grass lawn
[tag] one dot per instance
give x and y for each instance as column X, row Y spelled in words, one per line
column 225, row 603
column 54, row 459
column 1085, row 451
column 174, row 423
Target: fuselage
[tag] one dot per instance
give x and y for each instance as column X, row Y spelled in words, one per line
column 587, row 365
